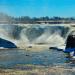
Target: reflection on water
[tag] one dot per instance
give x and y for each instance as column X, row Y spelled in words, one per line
column 10, row 58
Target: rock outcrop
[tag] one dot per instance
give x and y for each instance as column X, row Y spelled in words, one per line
column 6, row 44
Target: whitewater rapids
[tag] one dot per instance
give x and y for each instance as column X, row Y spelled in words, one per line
column 31, row 35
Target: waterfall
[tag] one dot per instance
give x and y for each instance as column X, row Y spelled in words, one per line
column 34, row 34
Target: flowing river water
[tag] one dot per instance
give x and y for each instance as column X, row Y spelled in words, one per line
column 25, row 36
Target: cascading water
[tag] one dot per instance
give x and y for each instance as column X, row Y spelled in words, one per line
column 33, row 38
column 34, row 34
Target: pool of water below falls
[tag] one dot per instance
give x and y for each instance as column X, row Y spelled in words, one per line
column 10, row 58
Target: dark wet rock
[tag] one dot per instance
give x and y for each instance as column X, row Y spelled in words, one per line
column 27, row 55
column 52, row 48
column 30, row 47
column 70, row 42
column 55, row 48
column 7, row 44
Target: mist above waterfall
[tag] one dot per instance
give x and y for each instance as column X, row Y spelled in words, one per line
column 34, row 34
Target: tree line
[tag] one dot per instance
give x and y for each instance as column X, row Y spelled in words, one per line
column 4, row 18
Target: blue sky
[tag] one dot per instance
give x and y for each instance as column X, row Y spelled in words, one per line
column 38, row 8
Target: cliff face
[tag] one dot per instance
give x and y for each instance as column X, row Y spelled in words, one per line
column 7, row 44
column 70, row 42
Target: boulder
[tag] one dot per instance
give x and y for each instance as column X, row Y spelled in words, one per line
column 6, row 44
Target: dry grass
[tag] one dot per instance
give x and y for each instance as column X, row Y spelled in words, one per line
column 38, row 70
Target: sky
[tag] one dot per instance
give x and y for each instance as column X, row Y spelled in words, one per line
column 38, row 8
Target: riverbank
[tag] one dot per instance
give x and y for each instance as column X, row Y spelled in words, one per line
column 38, row 70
